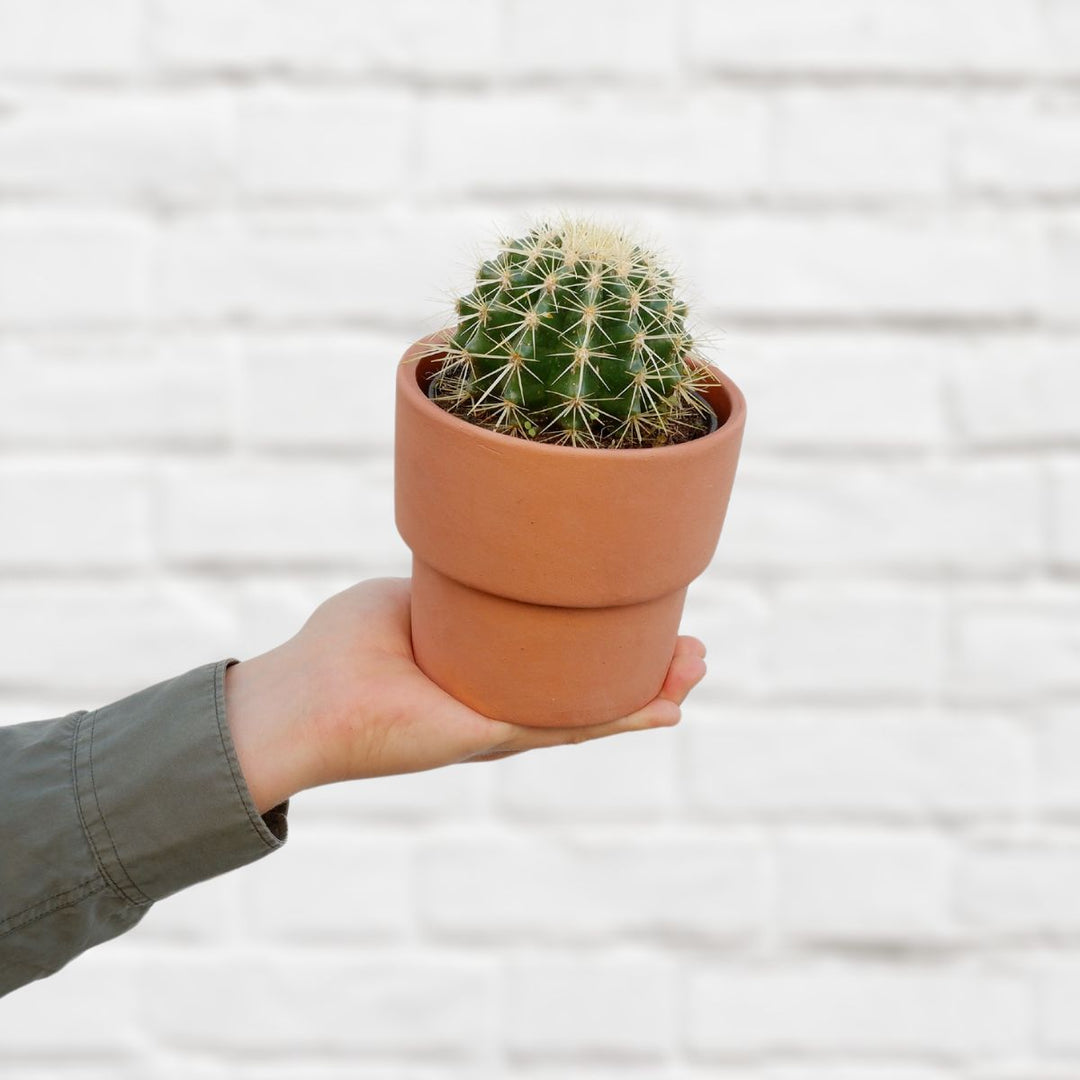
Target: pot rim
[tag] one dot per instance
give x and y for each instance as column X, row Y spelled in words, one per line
column 427, row 349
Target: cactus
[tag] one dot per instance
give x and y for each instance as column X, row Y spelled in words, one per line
column 573, row 334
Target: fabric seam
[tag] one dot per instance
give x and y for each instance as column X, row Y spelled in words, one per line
column 230, row 756
column 98, row 861
column 17, row 921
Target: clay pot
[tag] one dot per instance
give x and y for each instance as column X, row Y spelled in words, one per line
column 549, row 581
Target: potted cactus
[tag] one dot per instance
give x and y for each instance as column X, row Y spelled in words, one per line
column 563, row 463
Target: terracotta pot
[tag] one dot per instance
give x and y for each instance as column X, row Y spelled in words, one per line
column 549, row 581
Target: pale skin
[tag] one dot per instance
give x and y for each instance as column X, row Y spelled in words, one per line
column 343, row 699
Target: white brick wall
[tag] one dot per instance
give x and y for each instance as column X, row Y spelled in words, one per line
column 858, row 858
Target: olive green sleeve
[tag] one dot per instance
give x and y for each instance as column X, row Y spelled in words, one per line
column 103, row 813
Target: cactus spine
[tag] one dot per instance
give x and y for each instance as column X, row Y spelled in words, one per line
column 573, row 334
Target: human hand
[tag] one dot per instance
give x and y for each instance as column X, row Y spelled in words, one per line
column 343, row 699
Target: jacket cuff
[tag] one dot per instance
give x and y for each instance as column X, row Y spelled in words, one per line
column 159, row 789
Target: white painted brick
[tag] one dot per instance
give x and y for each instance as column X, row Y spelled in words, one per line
column 1061, row 300
column 323, row 143
column 1063, row 30
column 965, row 518
column 592, row 887
column 1057, row 736
column 842, row 640
column 330, row 887
column 865, row 887
column 1020, row 888
column 1018, row 392
column 310, row 265
column 409, row 799
column 1065, row 513
column 208, row 914
column 104, row 404
column 853, row 763
column 107, row 639
column 864, row 36
column 633, row 38
column 606, row 141
column 73, row 517
column 921, row 265
column 451, row 37
column 396, row 1006
column 557, row 1007
column 732, row 620
column 622, row 779
column 71, row 267
column 174, row 147
column 1058, row 995
column 833, row 143
column 1021, row 143
column 305, row 390
column 833, row 392
column 68, row 37
column 262, row 513
column 871, row 1009
column 869, row 1071
column 96, row 995
column 1011, row 644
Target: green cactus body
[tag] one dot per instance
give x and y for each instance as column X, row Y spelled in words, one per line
column 573, row 334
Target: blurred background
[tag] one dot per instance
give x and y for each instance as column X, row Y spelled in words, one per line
column 858, row 857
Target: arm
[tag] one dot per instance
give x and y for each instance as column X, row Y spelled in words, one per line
column 104, row 813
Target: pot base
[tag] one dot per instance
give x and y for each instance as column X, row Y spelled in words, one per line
column 537, row 665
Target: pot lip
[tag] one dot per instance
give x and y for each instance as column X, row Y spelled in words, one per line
column 426, row 348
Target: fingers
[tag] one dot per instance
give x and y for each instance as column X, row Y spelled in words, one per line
column 686, row 671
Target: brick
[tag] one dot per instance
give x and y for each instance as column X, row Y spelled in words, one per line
column 878, row 143
column 863, row 36
column 327, row 36
column 865, row 887
column 303, row 391
column 326, row 144
column 721, row 138
column 412, row 798
column 370, row 881
column 71, row 267
column 1059, row 303
column 260, row 514
column 838, row 392
column 174, row 147
column 841, row 641
column 107, row 639
column 632, row 778
column 631, row 38
column 105, row 404
column 924, row 265
column 1057, row 740
column 1021, row 144
column 871, row 1009
column 73, row 517
column 853, row 763
column 1058, row 993
column 732, row 620
column 95, row 992
column 399, row 1006
column 965, row 518
column 309, row 266
column 1019, row 889
column 67, row 37
column 558, row 1007
column 595, row 888
column 1013, row 644
column 1065, row 513
column 1017, row 392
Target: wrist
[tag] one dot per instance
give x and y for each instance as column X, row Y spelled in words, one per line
column 268, row 709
